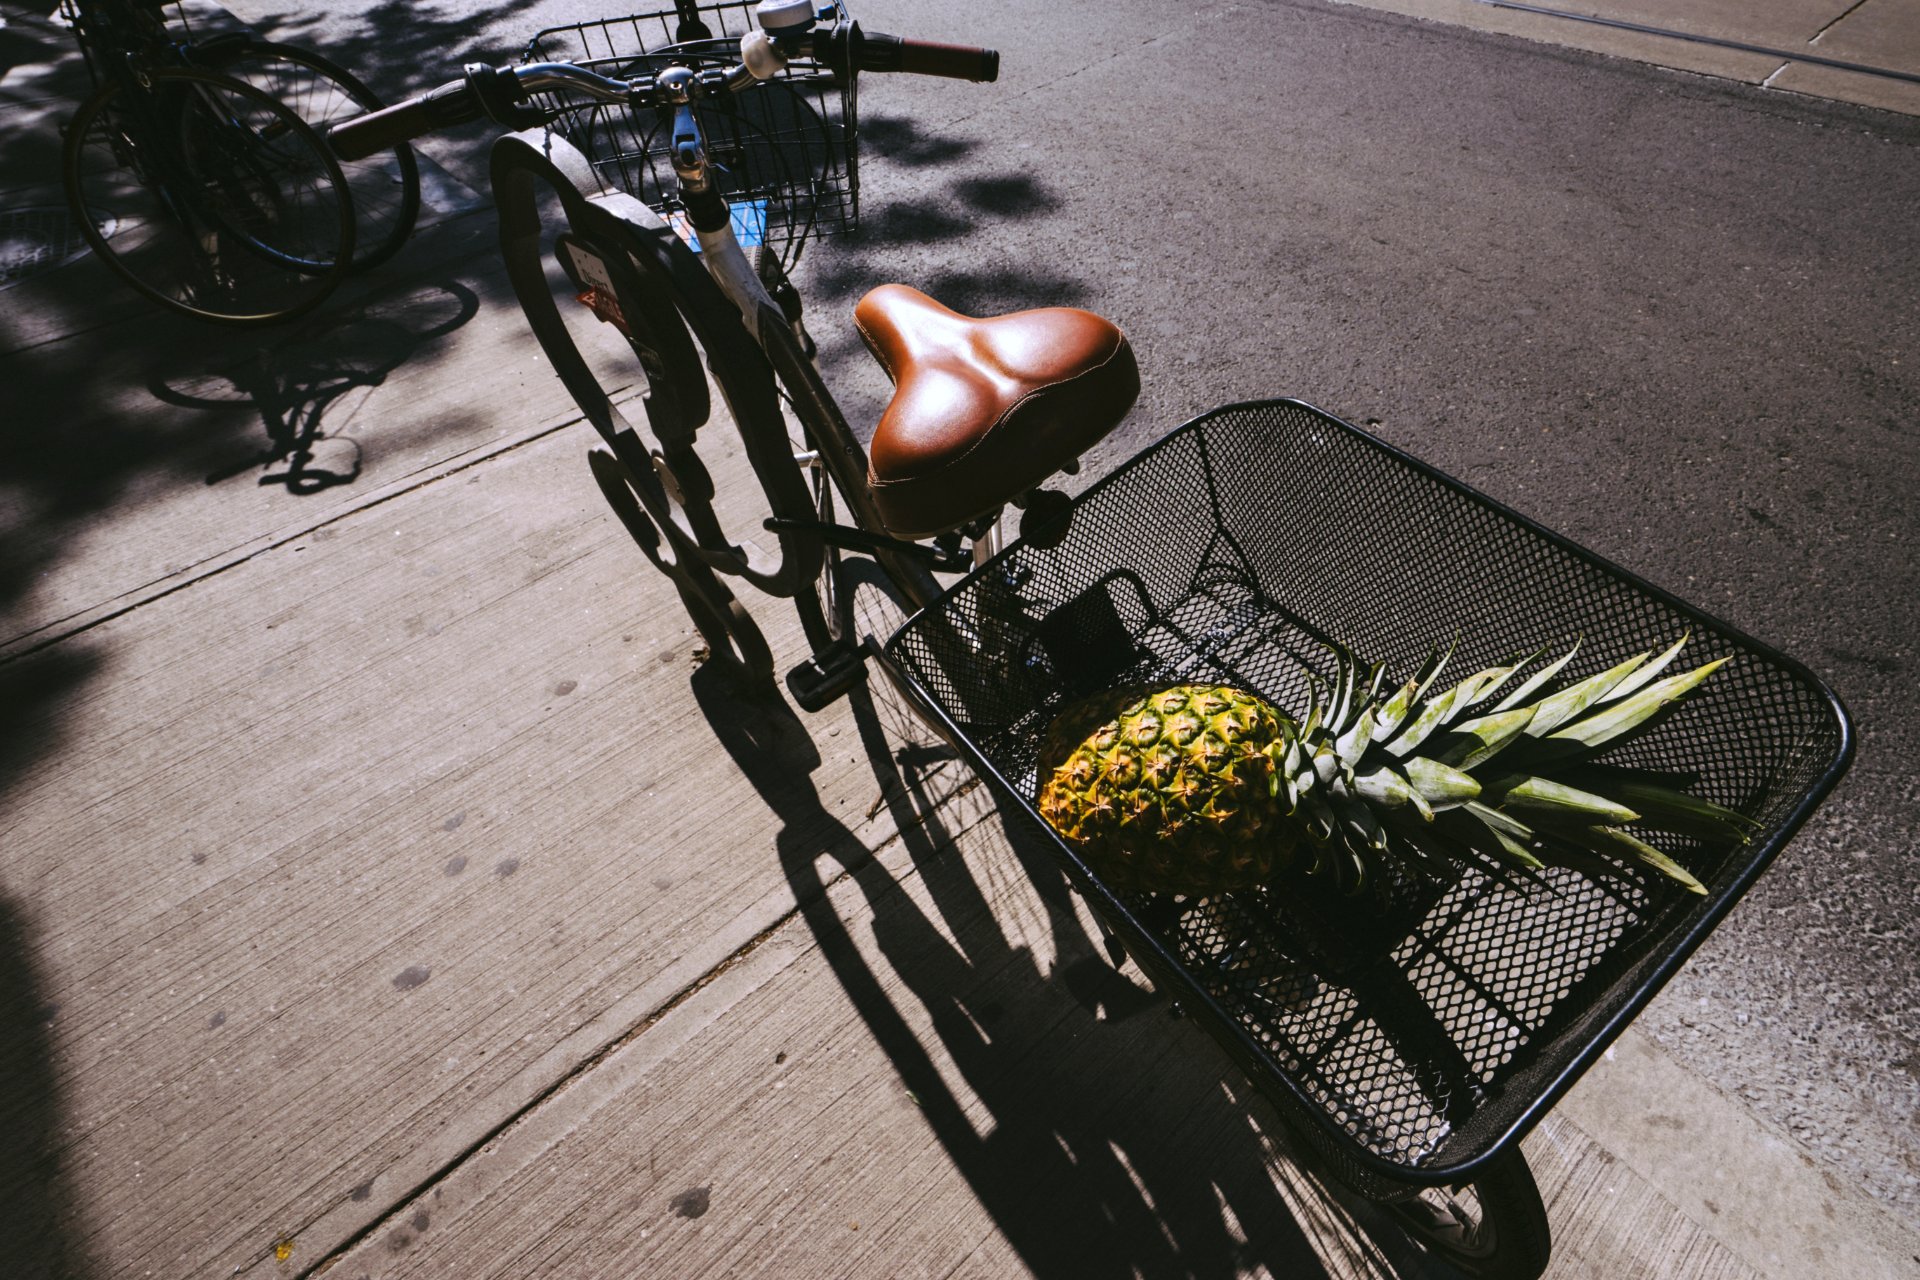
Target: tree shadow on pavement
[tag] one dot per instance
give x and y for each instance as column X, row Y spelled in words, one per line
column 399, row 47
column 37, row 1208
column 40, row 1232
column 1113, row 1145
column 82, row 438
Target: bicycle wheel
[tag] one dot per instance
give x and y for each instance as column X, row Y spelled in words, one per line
column 208, row 196
column 652, row 317
column 836, row 477
column 385, row 187
column 630, row 361
column 1494, row 1229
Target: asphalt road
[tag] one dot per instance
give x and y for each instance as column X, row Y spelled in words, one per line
column 1674, row 318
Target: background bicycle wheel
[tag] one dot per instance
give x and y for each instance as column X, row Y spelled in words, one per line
column 243, row 237
column 385, row 186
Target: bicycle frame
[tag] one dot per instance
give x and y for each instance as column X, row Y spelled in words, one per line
column 119, row 38
column 833, row 443
column 727, row 263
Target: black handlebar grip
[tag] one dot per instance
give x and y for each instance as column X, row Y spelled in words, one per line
column 955, row 61
column 928, row 58
column 377, row 131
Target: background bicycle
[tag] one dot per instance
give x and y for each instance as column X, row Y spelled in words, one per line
column 123, row 169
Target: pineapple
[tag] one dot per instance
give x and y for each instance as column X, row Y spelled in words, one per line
column 1199, row 789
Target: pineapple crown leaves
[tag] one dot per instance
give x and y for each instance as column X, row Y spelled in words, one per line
column 1455, row 774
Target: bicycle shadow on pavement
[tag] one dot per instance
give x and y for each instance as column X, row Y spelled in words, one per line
column 294, row 385
column 1114, row 1145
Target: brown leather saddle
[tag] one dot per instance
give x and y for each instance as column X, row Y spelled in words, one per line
column 984, row 410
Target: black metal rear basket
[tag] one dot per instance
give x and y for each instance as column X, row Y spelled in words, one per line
column 786, row 148
column 1409, row 1051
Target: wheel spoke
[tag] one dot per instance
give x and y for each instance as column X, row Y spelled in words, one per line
column 385, row 187
column 208, row 196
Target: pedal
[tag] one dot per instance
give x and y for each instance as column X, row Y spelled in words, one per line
column 828, row 674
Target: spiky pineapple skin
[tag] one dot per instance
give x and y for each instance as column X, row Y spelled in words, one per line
column 1172, row 790
column 1200, row 789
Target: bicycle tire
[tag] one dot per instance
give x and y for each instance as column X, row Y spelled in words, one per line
column 812, row 408
column 1502, row 1233
column 240, row 218
column 567, row 238
column 385, row 187
column 610, row 363
column 735, row 644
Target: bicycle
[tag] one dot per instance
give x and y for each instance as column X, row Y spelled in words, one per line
column 125, row 177
column 666, row 176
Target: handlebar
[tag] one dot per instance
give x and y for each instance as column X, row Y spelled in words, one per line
column 500, row 93
column 450, row 104
column 927, row 58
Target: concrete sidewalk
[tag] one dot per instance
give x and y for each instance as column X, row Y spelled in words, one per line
column 385, row 889
column 1876, row 42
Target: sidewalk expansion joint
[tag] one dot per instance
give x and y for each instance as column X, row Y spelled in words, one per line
column 18, row 646
column 593, row 1060
column 1815, row 39
column 1717, row 42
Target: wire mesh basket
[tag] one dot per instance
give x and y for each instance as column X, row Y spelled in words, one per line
column 785, row 149
column 1413, row 1045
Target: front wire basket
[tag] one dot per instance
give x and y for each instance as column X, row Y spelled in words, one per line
column 1411, row 1045
column 785, row 150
